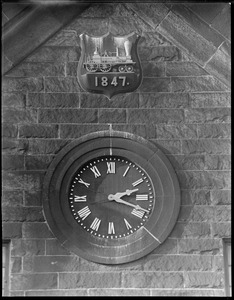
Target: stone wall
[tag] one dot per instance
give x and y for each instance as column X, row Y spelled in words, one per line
column 182, row 105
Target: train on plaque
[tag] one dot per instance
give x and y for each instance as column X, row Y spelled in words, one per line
column 109, row 64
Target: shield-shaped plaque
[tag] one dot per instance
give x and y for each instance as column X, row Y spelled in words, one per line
column 109, row 64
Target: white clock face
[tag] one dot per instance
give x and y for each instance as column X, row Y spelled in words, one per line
column 111, row 197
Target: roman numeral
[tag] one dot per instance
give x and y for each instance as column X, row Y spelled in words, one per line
column 111, row 228
column 85, row 183
column 110, row 167
column 142, row 197
column 126, row 171
column 138, row 213
column 80, row 198
column 84, row 212
column 96, row 223
column 137, row 182
column 95, row 171
column 127, row 224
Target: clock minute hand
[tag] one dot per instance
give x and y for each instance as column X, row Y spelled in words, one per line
column 119, row 200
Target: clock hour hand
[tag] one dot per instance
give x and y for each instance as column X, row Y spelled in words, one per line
column 119, row 200
column 127, row 192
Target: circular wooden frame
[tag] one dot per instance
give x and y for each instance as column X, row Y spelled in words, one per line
column 125, row 249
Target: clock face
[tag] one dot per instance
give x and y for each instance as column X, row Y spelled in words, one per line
column 111, row 197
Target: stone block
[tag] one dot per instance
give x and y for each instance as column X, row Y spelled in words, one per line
column 198, row 25
column 195, row 197
column 187, row 162
column 204, row 279
column 11, row 230
column 199, row 213
column 182, row 131
column 168, row 146
column 37, row 162
column 19, row 116
column 207, row 11
column 144, row 130
column 223, row 213
column 35, row 100
column 204, row 179
column 12, row 198
column 200, row 246
column 9, row 130
column 59, row 293
column 187, row 292
column 55, row 54
column 164, row 100
column 195, row 84
column 14, row 99
column 12, row 162
column 169, row 246
column 123, row 25
column 22, row 214
column 36, row 230
column 34, row 281
column 217, row 162
column 130, row 100
column 53, row 247
column 33, row 180
column 155, row 116
column 89, row 280
column 27, row 247
column 209, row 146
column 153, row 279
column 112, row 115
column 32, row 198
column 38, row 131
column 184, row 69
column 209, row 115
column 152, row 39
column 71, row 68
column 221, row 230
column 159, row 54
column 221, row 197
column 92, row 26
column 214, row 130
column 16, row 265
column 63, row 38
column 37, row 146
column 22, row 84
column 153, row 69
column 222, row 22
column 220, row 66
column 185, row 37
column 191, row 230
column 155, row 85
column 210, row 100
column 61, row 100
column 120, row 292
column 68, row 115
column 62, row 84
column 13, row 180
column 178, row 263
column 152, row 13
column 75, row 131
column 38, row 69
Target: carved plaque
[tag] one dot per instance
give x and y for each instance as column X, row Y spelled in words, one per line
column 109, row 64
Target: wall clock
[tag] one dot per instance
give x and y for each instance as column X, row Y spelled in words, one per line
column 111, row 198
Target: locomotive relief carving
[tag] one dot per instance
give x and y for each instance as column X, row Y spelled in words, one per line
column 110, row 61
column 109, row 64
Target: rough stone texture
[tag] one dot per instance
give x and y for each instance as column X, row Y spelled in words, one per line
column 183, row 106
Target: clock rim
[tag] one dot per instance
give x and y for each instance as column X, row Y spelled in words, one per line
column 114, row 139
